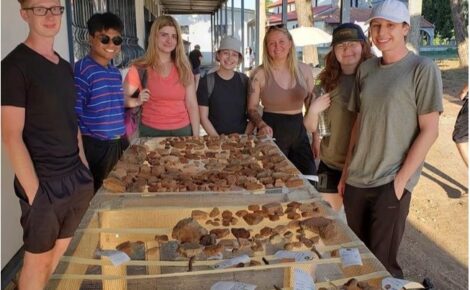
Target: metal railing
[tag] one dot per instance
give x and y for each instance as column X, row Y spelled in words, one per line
column 82, row 11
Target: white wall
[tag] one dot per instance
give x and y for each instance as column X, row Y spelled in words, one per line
column 139, row 19
column 200, row 29
column 13, row 31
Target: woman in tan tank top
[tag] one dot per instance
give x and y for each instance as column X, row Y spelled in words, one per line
column 282, row 85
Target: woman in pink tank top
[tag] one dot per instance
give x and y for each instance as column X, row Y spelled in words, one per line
column 168, row 98
column 282, row 85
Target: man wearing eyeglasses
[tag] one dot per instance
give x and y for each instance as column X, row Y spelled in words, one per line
column 40, row 134
column 100, row 98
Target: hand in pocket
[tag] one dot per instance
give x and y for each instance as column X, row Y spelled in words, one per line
column 32, row 197
column 399, row 188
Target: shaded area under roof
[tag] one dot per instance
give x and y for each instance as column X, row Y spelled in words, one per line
column 191, row 6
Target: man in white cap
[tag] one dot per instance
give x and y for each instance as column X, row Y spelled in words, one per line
column 398, row 98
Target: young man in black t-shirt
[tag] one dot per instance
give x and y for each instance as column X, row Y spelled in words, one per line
column 40, row 134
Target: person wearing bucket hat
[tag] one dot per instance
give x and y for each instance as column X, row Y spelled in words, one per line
column 222, row 95
column 398, row 99
column 349, row 49
column 282, row 85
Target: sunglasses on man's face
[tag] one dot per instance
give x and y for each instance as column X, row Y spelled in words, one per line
column 104, row 39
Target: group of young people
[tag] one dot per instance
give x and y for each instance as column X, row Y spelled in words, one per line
column 59, row 124
column 384, row 116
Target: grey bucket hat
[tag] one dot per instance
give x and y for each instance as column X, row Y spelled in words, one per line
column 231, row 43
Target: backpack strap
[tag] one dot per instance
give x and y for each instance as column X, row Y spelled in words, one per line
column 142, row 76
column 210, row 81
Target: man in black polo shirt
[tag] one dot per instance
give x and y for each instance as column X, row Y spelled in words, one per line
column 195, row 57
column 40, row 134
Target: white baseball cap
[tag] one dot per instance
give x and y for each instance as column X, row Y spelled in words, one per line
column 392, row 10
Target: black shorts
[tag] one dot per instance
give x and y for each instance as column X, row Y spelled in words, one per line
column 460, row 134
column 57, row 208
column 196, row 71
column 328, row 178
column 102, row 155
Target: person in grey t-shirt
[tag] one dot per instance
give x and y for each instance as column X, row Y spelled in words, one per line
column 398, row 98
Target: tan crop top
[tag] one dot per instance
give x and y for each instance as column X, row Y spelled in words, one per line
column 276, row 99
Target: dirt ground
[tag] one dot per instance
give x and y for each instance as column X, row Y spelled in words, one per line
column 435, row 244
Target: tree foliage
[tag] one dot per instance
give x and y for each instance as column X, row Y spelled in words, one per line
column 459, row 9
column 438, row 12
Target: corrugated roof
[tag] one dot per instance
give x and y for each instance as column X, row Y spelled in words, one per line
column 277, row 18
column 191, row 6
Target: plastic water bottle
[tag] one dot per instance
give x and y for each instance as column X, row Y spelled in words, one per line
column 323, row 124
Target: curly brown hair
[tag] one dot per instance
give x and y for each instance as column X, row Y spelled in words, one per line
column 329, row 76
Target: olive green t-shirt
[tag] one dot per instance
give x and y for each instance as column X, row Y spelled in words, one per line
column 333, row 148
column 390, row 98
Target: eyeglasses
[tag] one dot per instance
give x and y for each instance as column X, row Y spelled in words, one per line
column 42, row 11
column 117, row 40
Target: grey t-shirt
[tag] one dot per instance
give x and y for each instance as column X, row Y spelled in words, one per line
column 333, row 148
column 390, row 98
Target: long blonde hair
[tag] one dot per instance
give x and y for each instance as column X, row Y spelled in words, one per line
column 151, row 57
column 292, row 62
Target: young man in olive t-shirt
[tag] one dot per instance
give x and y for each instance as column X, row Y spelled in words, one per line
column 398, row 98
column 40, row 134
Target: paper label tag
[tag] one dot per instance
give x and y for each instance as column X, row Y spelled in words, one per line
column 232, row 262
column 219, row 256
column 303, row 281
column 310, row 177
column 229, row 285
column 350, row 257
column 266, row 138
column 399, row 284
column 117, row 257
column 275, row 190
column 297, row 256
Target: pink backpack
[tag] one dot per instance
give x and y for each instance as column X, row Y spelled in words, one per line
column 132, row 115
